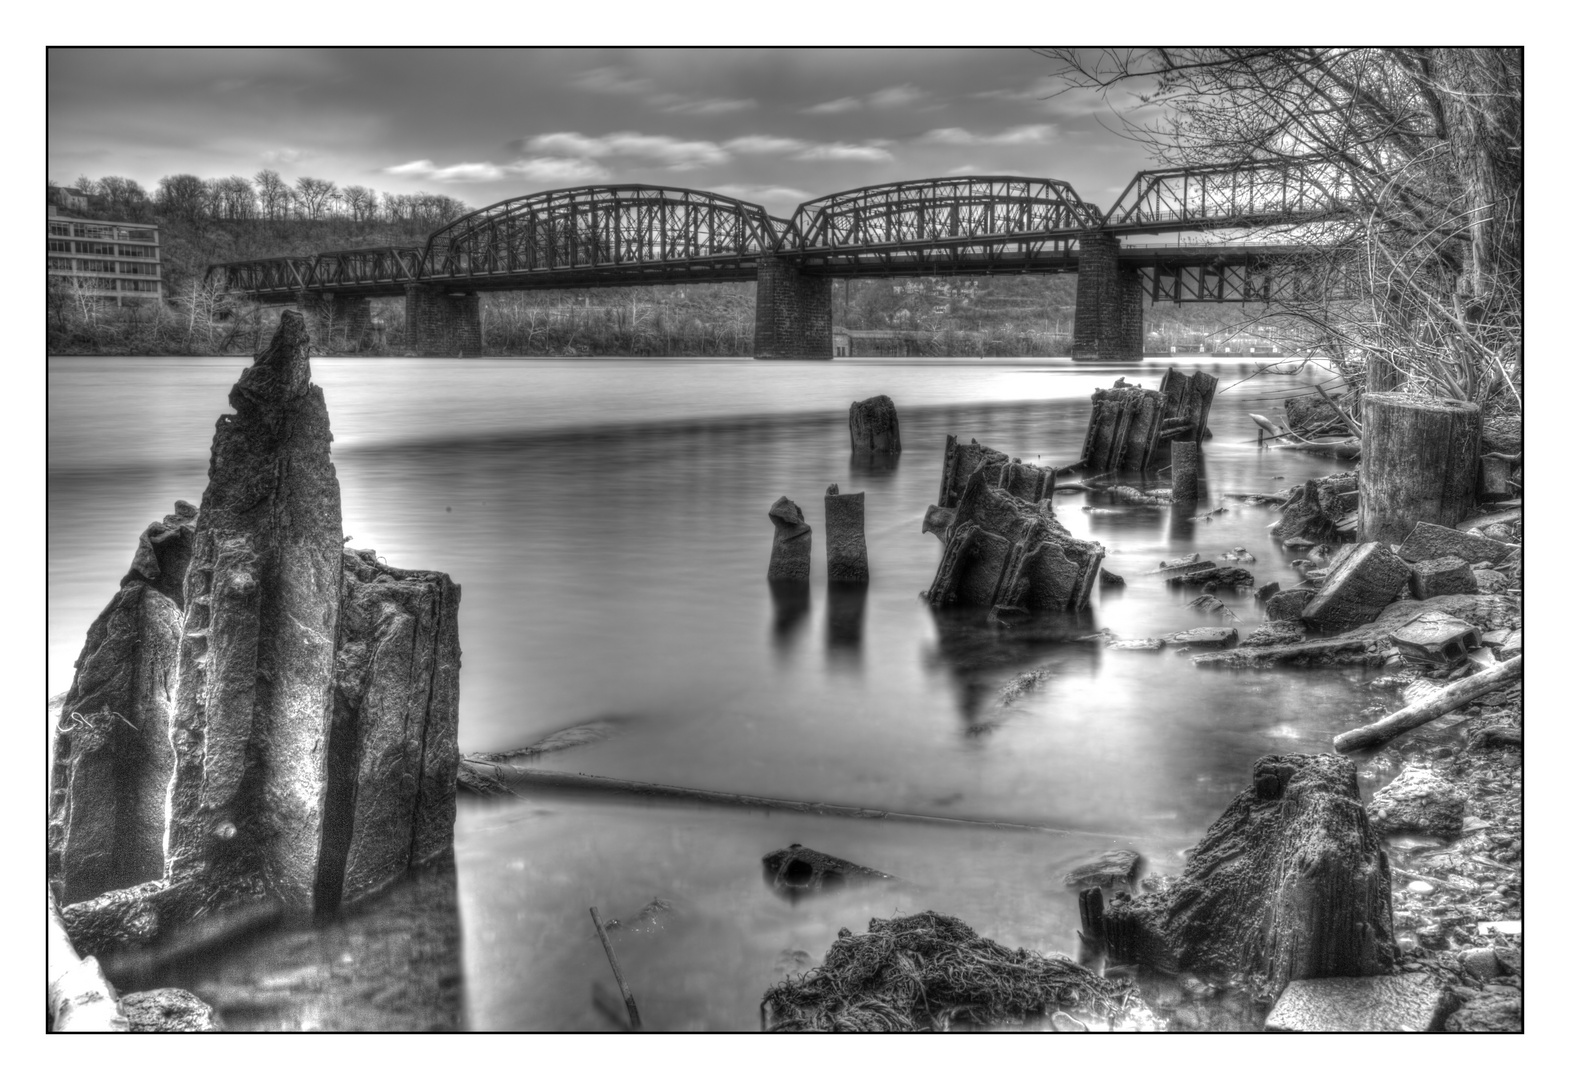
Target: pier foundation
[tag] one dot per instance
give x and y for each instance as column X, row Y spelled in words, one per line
column 440, row 323
column 793, row 315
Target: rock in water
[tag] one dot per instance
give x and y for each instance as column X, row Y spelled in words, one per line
column 791, row 557
column 1364, row 579
column 795, row 871
column 1031, row 483
column 168, row 1010
column 874, row 425
column 844, row 520
column 253, row 713
column 1420, row 801
column 112, row 759
column 1289, row 883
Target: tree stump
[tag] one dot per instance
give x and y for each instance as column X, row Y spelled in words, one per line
column 1289, row 883
column 1420, row 463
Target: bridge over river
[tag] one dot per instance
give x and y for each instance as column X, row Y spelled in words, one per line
column 636, row 234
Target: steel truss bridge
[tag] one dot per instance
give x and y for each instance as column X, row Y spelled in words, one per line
column 633, row 233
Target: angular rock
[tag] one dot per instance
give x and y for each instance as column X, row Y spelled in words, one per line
column 1364, row 580
column 1012, row 556
column 791, row 557
column 253, row 712
column 1110, row 870
column 1109, row 580
column 1031, row 483
column 1496, row 1009
column 795, row 871
column 1188, row 564
column 1266, row 591
column 394, row 749
column 1224, row 577
column 1418, row 801
column 112, row 763
column 1274, row 633
column 1125, row 429
column 937, row 522
column 1314, row 510
column 1428, row 541
column 1288, row 604
column 1412, row 1002
column 844, row 521
column 1490, row 581
column 1446, row 574
column 1289, row 883
column 1204, row 637
column 168, row 1011
column 874, row 425
column 1481, row 964
column 1436, row 638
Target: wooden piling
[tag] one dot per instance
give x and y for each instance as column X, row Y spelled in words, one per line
column 1185, row 473
column 1420, row 463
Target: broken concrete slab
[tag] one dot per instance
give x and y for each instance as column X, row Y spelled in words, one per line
column 1446, row 574
column 874, row 425
column 1429, row 541
column 1111, row 870
column 1410, row 1002
column 1496, row 1008
column 1363, row 580
column 937, row 522
column 1275, row 633
column 1435, row 638
column 844, row 521
column 1224, row 577
column 1032, row 483
column 790, row 559
column 1204, row 637
column 1288, row 604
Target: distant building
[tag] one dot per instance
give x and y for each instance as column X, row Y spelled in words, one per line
column 69, row 198
column 110, row 260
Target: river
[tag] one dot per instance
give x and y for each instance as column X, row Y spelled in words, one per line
column 607, row 520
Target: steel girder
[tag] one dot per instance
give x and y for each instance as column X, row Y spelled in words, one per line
column 620, row 229
column 1251, row 279
column 1243, row 195
column 949, row 224
column 360, row 270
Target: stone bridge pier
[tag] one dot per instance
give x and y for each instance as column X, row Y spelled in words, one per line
column 336, row 321
column 794, row 316
column 441, row 323
column 1109, row 306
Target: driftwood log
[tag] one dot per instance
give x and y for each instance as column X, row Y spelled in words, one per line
column 1447, row 700
column 1420, row 463
column 1289, row 883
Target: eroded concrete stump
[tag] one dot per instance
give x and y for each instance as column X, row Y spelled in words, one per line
column 1322, row 511
column 1185, row 473
column 1364, row 579
column 112, row 758
column 874, row 425
column 1289, row 883
column 791, row 557
column 1430, row 541
column 1032, row 483
column 844, row 521
column 1012, row 556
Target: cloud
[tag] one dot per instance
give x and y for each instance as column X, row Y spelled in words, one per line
column 676, row 154
column 1023, row 134
column 961, row 170
column 711, row 106
column 466, row 172
column 838, row 105
column 611, row 80
column 765, row 144
column 840, row 151
column 560, row 171
column 766, row 194
column 895, row 96
column 541, row 170
column 284, row 155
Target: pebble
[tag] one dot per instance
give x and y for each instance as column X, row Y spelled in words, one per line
column 1421, row 888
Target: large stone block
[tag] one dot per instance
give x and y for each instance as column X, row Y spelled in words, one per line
column 1418, row 801
column 1446, row 575
column 1364, row 579
column 1427, row 541
column 1411, row 1002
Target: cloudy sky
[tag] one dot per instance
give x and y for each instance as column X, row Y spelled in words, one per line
column 771, row 126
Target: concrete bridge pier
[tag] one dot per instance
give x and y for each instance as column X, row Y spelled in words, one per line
column 794, row 314
column 441, row 323
column 331, row 318
column 1109, row 306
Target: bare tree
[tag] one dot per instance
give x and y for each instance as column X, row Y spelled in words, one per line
column 1426, row 149
column 182, row 195
column 123, row 198
column 272, row 193
column 361, row 202
column 316, row 196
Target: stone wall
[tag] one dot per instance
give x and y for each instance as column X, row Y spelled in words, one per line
column 438, row 323
column 794, row 314
column 336, row 322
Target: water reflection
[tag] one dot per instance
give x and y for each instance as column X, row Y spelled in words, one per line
column 872, row 463
column 847, row 612
column 980, row 656
column 792, row 604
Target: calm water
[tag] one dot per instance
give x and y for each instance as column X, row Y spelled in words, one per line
column 607, row 520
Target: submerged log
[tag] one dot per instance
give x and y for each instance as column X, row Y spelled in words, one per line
column 795, row 871
column 1420, row 463
column 1289, row 883
column 1185, row 473
column 1447, row 700
column 1012, row 556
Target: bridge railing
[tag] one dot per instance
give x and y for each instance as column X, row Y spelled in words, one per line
column 1251, row 193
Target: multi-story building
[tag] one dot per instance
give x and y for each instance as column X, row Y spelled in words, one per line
column 111, row 260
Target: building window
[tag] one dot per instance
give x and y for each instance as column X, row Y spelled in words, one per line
column 98, row 265
column 134, row 251
column 138, row 268
column 94, row 249
column 56, row 263
column 150, row 235
column 60, row 245
column 94, row 232
column 59, row 228
column 138, row 286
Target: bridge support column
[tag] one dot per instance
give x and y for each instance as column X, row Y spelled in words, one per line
column 794, row 314
column 331, row 318
column 1109, row 305
column 438, row 323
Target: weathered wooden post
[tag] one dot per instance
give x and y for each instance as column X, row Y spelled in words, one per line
column 1420, row 461
column 874, row 425
column 844, row 517
column 1185, row 473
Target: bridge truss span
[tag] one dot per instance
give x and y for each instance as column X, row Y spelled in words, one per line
column 1250, row 194
column 628, row 231
column 965, row 224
